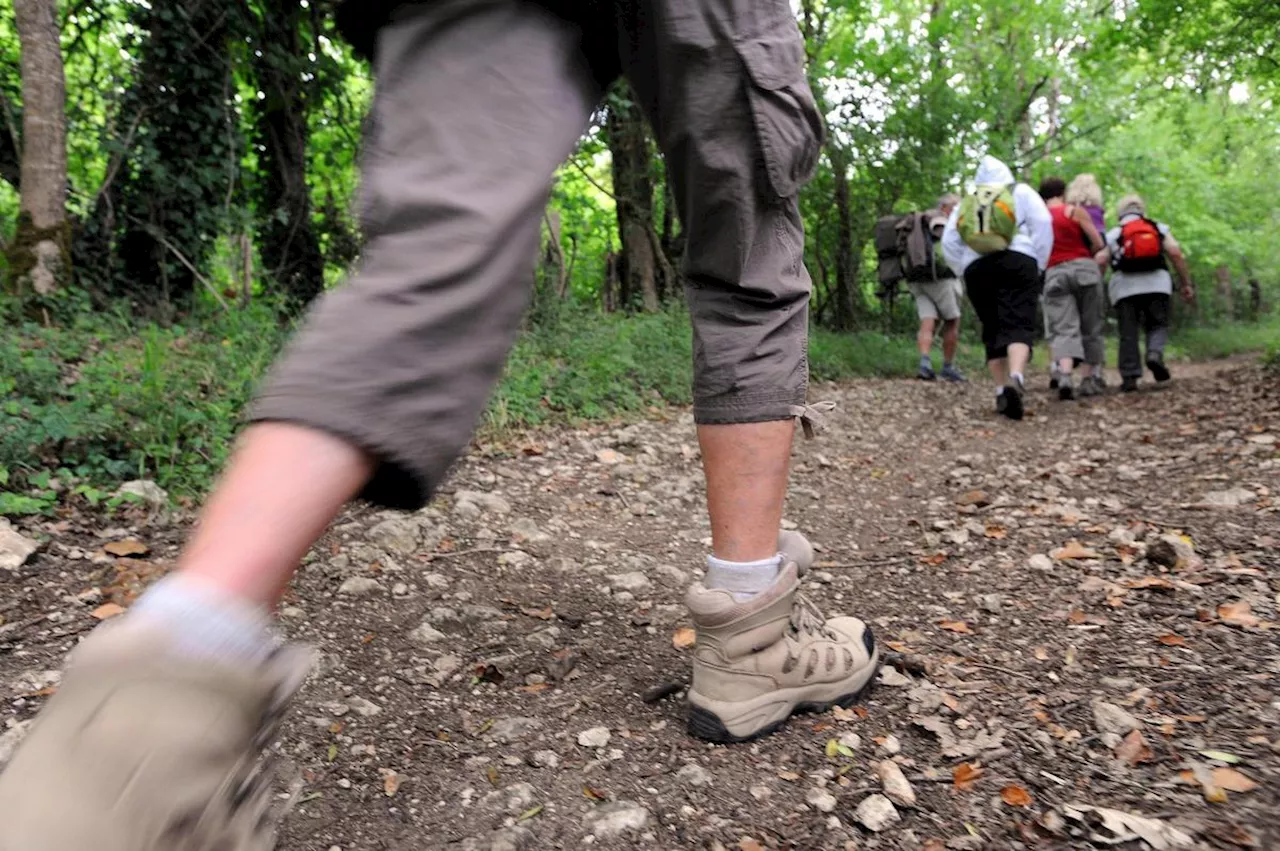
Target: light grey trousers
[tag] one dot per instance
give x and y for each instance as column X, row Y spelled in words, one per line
column 477, row 102
column 1073, row 311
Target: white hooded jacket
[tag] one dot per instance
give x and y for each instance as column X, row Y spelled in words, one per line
column 1034, row 236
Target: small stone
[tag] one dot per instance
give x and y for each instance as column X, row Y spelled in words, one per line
column 425, row 635
column 694, row 775
column 514, row 799
column 512, row 839
column 360, row 586
column 596, row 737
column 821, row 800
column 876, row 812
column 152, row 494
column 610, row 457
column 890, row 745
column 852, row 741
column 544, row 759
column 1173, row 551
column 671, row 576
column 400, row 589
column 991, row 603
column 891, row 676
column 292, row 613
column 525, row 529
column 1233, row 498
column 364, row 708
column 544, row 639
column 443, row 668
column 15, row 548
column 436, row 581
column 508, row 730
column 1040, row 561
column 397, row 535
column 610, row 821
column 514, row 558
column 896, row 786
column 761, row 792
column 633, row 581
column 1109, row 718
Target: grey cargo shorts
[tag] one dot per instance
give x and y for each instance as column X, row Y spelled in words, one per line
column 477, row 102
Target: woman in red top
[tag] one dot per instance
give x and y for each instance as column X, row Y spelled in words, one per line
column 1073, row 292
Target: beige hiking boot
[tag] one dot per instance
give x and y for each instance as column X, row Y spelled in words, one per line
column 758, row 662
column 140, row 750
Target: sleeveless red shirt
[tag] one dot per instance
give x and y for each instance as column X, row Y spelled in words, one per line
column 1069, row 241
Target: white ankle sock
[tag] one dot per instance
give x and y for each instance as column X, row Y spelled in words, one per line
column 206, row 623
column 743, row 579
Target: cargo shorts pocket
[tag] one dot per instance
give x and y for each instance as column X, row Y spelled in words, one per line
column 788, row 124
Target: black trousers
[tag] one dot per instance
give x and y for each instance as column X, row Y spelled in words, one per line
column 1004, row 288
column 1148, row 312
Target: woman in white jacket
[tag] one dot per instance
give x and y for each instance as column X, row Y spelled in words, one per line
column 1004, row 286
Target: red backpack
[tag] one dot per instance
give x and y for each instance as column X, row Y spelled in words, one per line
column 1141, row 247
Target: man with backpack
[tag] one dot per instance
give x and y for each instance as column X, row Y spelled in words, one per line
column 1140, row 251
column 909, row 248
column 1000, row 239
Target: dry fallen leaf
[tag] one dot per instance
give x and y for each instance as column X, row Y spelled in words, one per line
column 956, row 626
column 933, row 845
column 842, row 714
column 1015, row 796
column 544, row 614
column 749, row 844
column 1077, row 616
column 1073, row 550
column 1238, row 613
column 594, row 794
column 1133, row 749
column 390, row 781
column 995, row 531
column 127, row 547
column 1042, row 654
column 107, row 610
column 1172, row 640
column 975, row 497
column 789, row 776
column 935, row 559
column 1150, row 582
column 1232, row 780
column 685, row 636
column 965, row 775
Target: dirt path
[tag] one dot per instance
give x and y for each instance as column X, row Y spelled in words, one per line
column 470, row 650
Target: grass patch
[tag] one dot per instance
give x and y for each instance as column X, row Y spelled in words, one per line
column 104, row 397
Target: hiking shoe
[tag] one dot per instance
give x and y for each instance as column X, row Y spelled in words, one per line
column 1055, row 377
column 1009, row 403
column 140, row 750
column 950, row 373
column 1160, row 372
column 926, row 373
column 1090, row 386
column 1129, row 385
column 1066, row 392
column 759, row 661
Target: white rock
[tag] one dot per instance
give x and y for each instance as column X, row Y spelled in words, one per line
column 694, row 775
column 1232, row 498
column 891, row 745
column 891, row 676
column 490, row 503
column 852, row 741
column 15, row 548
column 610, row 457
column 1110, row 718
column 514, row 799
column 544, row 639
column 671, row 576
column 1040, row 561
column 609, row 821
column 896, row 786
column 152, row 494
column 528, row 530
column 544, row 759
column 508, row 730
column 360, row 586
column 425, row 635
column 633, row 581
column 512, row 839
column 397, row 535
column 596, row 737
column 821, row 800
column 876, row 812
column 364, row 708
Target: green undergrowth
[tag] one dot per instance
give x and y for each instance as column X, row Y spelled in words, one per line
column 105, row 397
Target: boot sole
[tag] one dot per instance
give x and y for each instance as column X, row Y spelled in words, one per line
column 1159, row 371
column 706, row 725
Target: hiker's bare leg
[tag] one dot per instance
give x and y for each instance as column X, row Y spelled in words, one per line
column 284, row 485
column 746, row 467
column 1019, row 356
column 999, row 370
column 924, row 338
column 950, row 339
column 1066, row 366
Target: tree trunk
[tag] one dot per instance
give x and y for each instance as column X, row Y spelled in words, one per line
column 39, row 258
column 843, row 313
column 1225, row 294
column 633, row 191
column 287, row 239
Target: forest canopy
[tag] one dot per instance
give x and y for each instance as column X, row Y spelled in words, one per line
column 212, row 148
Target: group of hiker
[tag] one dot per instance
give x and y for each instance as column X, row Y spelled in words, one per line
column 1012, row 248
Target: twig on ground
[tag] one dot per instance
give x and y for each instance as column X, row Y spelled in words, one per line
column 659, row 692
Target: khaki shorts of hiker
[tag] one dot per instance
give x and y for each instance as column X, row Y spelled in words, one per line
column 477, row 105
column 938, row 299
